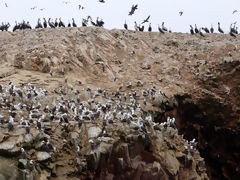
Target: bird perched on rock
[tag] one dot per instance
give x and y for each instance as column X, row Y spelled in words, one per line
column 23, row 154
column 219, row 28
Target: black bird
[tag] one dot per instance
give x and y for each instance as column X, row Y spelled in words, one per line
column 206, row 30
column 232, row 34
column 73, row 23
column 84, row 22
column 16, row 26
column 196, row 29
column 61, row 24
column 212, row 29
column 99, row 23
column 219, row 28
column 181, row 13
column 146, row 20
column 51, row 24
column 101, row 1
column 191, row 30
column 39, row 25
column 150, row 28
column 56, row 23
column 125, row 25
column 160, row 30
column 45, row 23
column 141, row 28
column 133, row 9
column 69, row 24
column 27, row 129
column 164, row 28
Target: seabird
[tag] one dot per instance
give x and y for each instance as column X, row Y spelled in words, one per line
column 164, row 28
column 23, row 153
column 206, row 30
column 45, row 23
column 73, row 23
column 181, row 13
column 31, row 165
column 101, row 1
column 27, row 129
column 125, row 25
column 212, row 29
column 219, row 28
column 150, row 28
column 196, row 29
column 160, row 29
column 133, row 8
column 146, row 20
column 69, row 25
column 191, row 30
column 56, row 23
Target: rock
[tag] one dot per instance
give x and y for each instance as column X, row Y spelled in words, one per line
column 74, row 138
column 43, row 156
column 22, row 163
column 172, row 164
column 94, row 131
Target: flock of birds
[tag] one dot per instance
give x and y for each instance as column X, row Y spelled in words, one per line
column 28, row 107
column 100, row 23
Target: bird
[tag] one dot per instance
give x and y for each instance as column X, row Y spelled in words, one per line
column 6, row 5
column 125, row 25
column 150, row 28
column 191, row 30
column 206, row 30
column 133, row 9
column 45, row 23
column 56, row 23
column 73, row 23
column 80, row 7
column 146, row 20
column 23, row 153
column 234, row 11
column 163, row 27
column 196, row 29
column 160, row 29
column 101, row 1
column 180, row 13
column 201, row 33
column 33, row 8
column 219, row 28
column 212, row 29
column 69, row 24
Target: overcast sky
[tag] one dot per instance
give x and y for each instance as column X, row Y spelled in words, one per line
column 115, row 12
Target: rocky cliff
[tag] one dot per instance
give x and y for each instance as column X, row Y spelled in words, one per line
column 137, row 80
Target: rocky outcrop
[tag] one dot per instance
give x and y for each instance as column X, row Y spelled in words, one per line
column 194, row 79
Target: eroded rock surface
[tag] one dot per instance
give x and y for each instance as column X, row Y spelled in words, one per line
column 194, row 79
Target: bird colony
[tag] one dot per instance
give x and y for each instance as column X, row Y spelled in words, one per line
column 37, row 126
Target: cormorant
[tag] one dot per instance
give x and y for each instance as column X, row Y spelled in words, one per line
column 45, row 23
column 200, row 32
column 141, row 28
column 150, row 28
column 73, row 23
column 99, row 23
column 206, row 30
column 56, row 23
column 84, row 22
column 133, row 8
column 61, row 24
column 51, row 24
column 212, row 29
column 16, row 26
column 219, row 28
column 191, row 30
column 164, row 28
column 196, row 29
column 181, row 13
column 232, row 34
column 69, row 24
column 125, row 25
column 160, row 30
column 101, row 1
column 39, row 25
column 146, row 20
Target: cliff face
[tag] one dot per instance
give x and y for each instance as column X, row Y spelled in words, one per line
column 199, row 81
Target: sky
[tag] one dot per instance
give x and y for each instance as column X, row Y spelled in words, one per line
column 115, row 12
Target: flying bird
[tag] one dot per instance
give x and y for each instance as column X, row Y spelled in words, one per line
column 101, row 1
column 33, row 7
column 133, row 9
column 146, row 20
column 80, row 7
column 6, row 5
column 42, row 9
column 234, row 11
column 181, row 13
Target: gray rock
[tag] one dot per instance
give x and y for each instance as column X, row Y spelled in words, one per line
column 94, row 132
column 43, row 156
column 22, row 163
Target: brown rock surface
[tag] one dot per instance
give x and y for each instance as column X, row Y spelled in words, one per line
column 199, row 76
